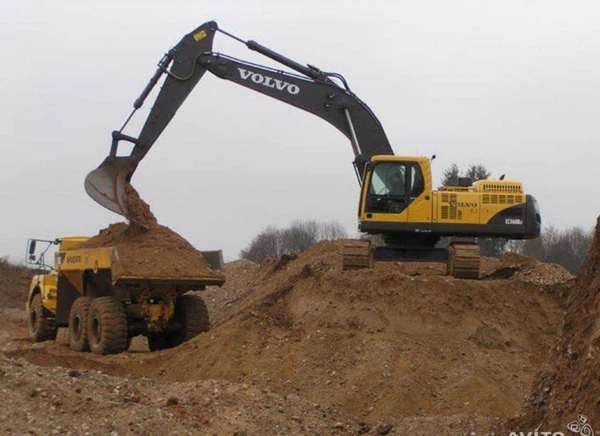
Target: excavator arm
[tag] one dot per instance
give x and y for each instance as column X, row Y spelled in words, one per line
column 311, row 90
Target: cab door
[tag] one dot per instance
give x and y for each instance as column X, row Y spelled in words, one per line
column 387, row 195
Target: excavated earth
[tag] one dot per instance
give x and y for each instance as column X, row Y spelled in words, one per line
column 568, row 390
column 298, row 346
column 14, row 282
column 147, row 249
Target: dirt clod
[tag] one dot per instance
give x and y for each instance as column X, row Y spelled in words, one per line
column 172, row 401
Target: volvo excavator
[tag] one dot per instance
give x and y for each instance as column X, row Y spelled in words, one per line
column 397, row 199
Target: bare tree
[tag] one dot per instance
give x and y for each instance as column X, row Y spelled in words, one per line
column 294, row 239
column 451, row 175
column 264, row 245
column 477, row 172
column 568, row 247
column 332, row 230
column 474, row 172
column 299, row 236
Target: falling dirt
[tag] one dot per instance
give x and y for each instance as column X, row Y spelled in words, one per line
column 138, row 210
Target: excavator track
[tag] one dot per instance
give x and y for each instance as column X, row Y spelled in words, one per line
column 357, row 254
column 464, row 261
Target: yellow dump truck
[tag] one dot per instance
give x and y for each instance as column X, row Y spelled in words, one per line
column 103, row 309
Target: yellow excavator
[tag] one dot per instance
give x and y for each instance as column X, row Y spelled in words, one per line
column 397, row 198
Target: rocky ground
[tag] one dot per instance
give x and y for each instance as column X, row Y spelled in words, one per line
column 298, row 346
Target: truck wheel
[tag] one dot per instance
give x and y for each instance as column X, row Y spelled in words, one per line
column 107, row 326
column 191, row 313
column 40, row 328
column 78, row 320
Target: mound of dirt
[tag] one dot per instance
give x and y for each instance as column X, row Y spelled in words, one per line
column 14, row 284
column 527, row 269
column 154, row 252
column 147, row 249
column 376, row 343
column 571, row 384
column 241, row 276
column 60, row 401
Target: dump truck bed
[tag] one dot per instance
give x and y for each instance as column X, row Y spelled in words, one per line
column 104, row 265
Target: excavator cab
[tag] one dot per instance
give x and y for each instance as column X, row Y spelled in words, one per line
column 393, row 185
column 395, row 189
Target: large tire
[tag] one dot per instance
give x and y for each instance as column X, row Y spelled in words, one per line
column 78, row 324
column 107, row 326
column 192, row 316
column 40, row 328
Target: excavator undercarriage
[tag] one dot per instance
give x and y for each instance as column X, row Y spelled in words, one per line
column 462, row 259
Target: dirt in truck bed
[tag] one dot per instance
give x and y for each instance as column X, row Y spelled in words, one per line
column 151, row 250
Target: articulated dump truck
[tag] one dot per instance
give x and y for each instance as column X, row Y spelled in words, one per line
column 104, row 309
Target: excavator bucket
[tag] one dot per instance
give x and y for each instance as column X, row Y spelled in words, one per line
column 106, row 184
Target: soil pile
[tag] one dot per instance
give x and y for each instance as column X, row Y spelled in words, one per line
column 14, row 284
column 154, row 252
column 527, row 269
column 59, row 401
column 241, row 276
column 147, row 249
column 571, row 385
column 376, row 344
column 299, row 346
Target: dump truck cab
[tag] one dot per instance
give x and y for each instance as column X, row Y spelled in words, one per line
column 42, row 295
column 45, row 281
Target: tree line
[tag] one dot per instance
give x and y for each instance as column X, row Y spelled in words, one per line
column 273, row 242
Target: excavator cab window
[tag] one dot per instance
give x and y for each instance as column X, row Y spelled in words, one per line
column 417, row 182
column 388, row 188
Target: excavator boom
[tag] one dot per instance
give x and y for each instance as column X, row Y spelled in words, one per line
column 311, row 90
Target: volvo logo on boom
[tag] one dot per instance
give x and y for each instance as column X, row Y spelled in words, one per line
column 268, row 81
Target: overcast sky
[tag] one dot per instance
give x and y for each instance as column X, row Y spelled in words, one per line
column 513, row 85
